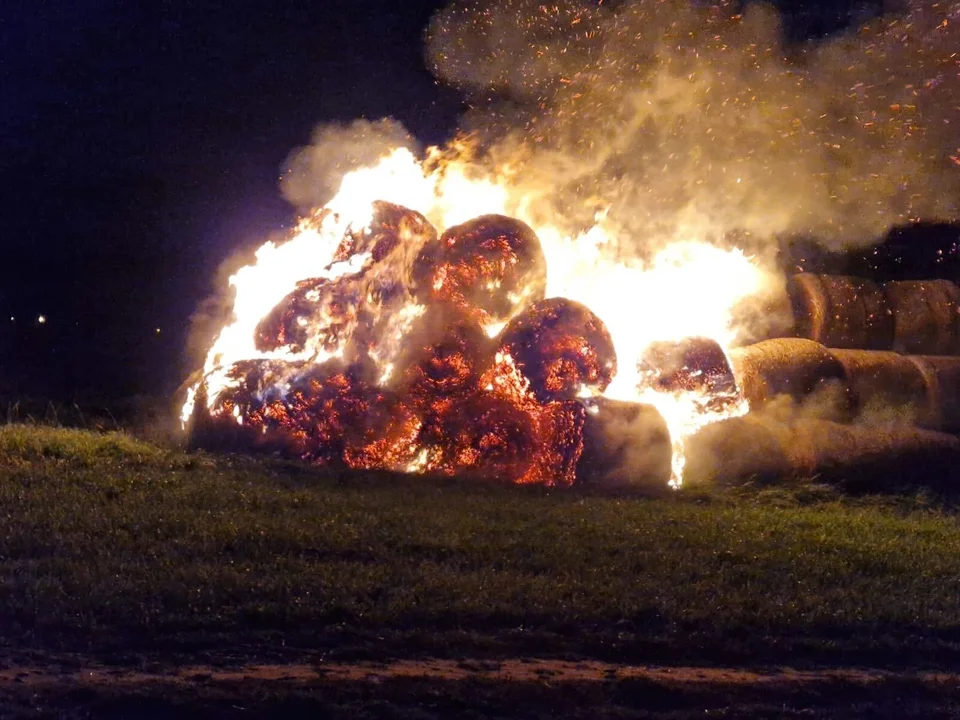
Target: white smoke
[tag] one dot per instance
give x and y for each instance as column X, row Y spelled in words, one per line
column 314, row 172
column 687, row 119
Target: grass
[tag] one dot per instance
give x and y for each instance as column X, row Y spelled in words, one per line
column 122, row 551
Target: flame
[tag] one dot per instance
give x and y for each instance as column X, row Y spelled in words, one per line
column 689, row 288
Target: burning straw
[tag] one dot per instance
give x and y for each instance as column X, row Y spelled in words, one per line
column 468, row 310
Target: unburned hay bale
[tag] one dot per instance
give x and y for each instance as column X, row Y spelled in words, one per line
column 624, row 444
column 736, row 449
column 890, row 388
column 926, row 316
column 802, row 369
column 841, row 311
column 857, row 456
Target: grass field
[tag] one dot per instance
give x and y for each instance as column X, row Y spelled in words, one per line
column 117, row 551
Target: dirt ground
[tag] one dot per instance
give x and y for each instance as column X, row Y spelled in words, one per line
column 513, row 670
column 541, row 689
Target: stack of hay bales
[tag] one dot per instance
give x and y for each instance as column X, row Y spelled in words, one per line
column 891, row 352
column 915, row 317
column 868, row 388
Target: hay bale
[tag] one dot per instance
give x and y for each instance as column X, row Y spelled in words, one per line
column 736, row 449
column 695, row 364
column 841, row 311
column 942, row 375
column 926, row 316
column 877, row 458
column 797, row 368
column 855, row 456
column 624, row 444
column 561, row 347
column 891, row 388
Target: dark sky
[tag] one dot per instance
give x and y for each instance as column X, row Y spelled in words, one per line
column 142, row 144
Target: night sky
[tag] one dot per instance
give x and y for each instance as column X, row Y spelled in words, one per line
column 142, row 145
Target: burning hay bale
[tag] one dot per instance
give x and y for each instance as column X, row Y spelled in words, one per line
column 926, row 316
column 561, row 347
column 490, row 435
column 394, row 236
column 690, row 365
column 319, row 315
column 756, row 446
column 340, row 419
column 327, row 414
column 891, row 388
column 624, row 445
column 490, row 267
column 444, row 355
column 801, row 369
column 234, row 418
column 841, row 312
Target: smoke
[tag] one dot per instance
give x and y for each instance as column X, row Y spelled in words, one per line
column 314, row 172
column 688, row 119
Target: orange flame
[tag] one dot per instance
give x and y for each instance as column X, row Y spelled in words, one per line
column 689, row 288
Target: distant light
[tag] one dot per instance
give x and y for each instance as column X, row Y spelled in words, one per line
column 12, row 319
column 42, row 319
column 158, row 331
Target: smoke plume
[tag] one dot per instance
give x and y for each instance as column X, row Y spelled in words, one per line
column 684, row 118
column 314, row 172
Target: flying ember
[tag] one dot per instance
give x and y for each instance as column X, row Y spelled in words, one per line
column 422, row 321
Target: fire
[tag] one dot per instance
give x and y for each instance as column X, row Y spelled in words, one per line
column 562, row 316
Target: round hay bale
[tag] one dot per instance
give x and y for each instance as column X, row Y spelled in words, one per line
column 840, row 311
column 891, row 388
column 737, row 449
column 875, row 458
column 800, row 369
column 855, row 456
column 560, row 346
column 926, row 316
column 624, row 445
column 942, row 376
column 691, row 364
column 443, row 354
column 491, row 267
